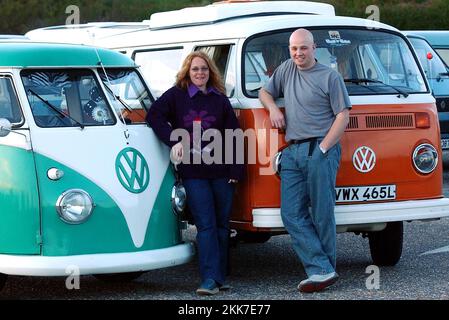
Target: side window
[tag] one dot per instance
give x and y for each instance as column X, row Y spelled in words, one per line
column 159, row 68
column 9, row 104
column 224, row 58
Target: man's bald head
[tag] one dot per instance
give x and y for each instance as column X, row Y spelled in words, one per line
column 302, row 36
column 302, row 49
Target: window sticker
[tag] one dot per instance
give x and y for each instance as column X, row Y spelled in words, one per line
column 335, row 40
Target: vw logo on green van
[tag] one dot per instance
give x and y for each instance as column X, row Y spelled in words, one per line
column 132, row 170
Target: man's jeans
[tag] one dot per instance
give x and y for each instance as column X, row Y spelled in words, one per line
column 210, row 201
column 308, row 179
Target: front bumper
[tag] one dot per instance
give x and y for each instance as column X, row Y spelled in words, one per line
column 372, row 213
column 97, row 263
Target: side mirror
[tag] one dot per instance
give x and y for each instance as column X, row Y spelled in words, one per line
column 5, row 127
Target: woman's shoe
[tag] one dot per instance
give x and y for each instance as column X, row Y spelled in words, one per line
column 208, row 288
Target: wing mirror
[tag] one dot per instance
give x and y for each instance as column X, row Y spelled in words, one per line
column 5, row 127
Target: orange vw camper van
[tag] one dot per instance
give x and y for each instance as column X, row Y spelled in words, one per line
column 390, row 171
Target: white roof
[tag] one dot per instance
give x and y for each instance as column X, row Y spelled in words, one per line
column 221, row 11
column 83, row 33
column 227, row 20
column 232, row 29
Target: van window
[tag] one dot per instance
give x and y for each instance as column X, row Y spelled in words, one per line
column 383, row 59
column 9, row 104
column 128, row 93
column 160, row 67
column 433, row 68
column 66, row 98
column 444, row 54
column 223, row 56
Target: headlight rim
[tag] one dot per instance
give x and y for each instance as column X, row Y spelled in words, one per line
column 175, row 208
column 415, row 153
column 59, row 206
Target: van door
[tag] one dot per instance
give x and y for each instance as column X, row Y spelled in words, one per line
column 19, row 197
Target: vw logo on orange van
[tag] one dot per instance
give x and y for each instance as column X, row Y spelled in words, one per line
column 132, row 170
column 364, row 159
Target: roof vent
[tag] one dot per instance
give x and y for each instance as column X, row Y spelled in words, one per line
column 226, row 10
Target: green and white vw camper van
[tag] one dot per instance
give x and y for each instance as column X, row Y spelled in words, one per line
column 84, row 182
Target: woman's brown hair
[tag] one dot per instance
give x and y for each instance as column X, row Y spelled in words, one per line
column 183, row 76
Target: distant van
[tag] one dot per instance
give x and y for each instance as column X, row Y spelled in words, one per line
column 85, row 186
column 438, row 39
column 390, row 170
column 437, row 73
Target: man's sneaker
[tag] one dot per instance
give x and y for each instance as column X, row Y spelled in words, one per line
column 317, row 282
column 208, row 288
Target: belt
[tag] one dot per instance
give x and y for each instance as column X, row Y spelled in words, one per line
column 312, row 145
column 303, row 140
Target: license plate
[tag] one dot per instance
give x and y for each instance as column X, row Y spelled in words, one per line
column 366, row 193
column 444, row 144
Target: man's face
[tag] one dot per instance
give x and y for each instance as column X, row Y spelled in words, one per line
column 302, row 51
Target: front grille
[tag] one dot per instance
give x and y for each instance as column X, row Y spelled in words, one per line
column 389, row 121
column 353, row 123
column 381, row 122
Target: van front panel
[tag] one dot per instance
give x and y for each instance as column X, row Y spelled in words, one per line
column 105, row 150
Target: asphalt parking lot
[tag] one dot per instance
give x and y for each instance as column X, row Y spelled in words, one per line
column 271, row 271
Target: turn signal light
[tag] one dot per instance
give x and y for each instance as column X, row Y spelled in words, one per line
column 422, row 120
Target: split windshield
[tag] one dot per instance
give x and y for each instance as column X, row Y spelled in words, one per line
column 66, row 98
column 128, row 93
column 75, row 98
column 383, row 59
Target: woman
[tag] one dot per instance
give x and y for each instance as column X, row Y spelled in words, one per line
column 196, row 104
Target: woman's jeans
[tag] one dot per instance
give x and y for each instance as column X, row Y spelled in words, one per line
column 210, row 201
column 308, row 179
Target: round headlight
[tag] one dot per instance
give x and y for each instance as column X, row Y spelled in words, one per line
column 74, row 206
column 425, row 158
column 277, row 163
column 178, row 198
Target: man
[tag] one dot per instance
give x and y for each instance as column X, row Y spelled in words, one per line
column 316, row 115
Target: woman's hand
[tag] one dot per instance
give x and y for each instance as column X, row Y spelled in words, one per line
column 177, row 152
column 233, row 181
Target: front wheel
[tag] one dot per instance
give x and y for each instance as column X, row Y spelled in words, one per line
column 3, row 278
column 119, row 277
column 386, row 245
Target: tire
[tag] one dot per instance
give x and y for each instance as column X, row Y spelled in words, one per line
column 386, row 245
column 119, row 277
column 3, row 278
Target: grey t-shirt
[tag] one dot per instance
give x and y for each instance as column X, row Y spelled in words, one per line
column 312, row 98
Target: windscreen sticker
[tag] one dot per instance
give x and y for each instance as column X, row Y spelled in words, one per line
column 336, row 40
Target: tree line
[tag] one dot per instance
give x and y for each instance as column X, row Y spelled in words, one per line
column 20, row 16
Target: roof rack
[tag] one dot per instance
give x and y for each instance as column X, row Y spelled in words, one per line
column 226, row 10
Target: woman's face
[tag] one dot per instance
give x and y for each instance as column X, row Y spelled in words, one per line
column 199, row 72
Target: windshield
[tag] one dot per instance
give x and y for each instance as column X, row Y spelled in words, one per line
column 128, row 93
column 431, row 62
column 382, row 57
column 66, row 98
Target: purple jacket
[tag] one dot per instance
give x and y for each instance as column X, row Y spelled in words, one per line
column 179, row 109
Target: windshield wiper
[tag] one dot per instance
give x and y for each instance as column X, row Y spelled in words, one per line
column 62, row 114
column 127, row 107
column 124, row 104
column 365, row 80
